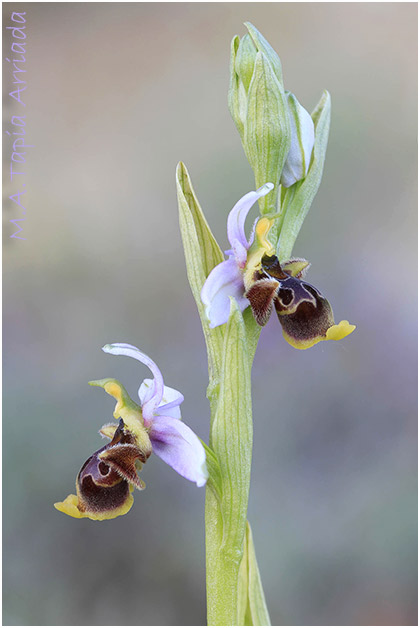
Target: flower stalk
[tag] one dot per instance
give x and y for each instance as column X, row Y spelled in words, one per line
column 231, row 349
column 231, row 441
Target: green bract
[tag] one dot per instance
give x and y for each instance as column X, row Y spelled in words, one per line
column 267, row 134
column 297, row 199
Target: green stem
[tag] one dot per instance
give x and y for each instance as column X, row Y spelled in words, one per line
column 231, row 441
column 231, row 350
column 229, row 549
column 221, row 570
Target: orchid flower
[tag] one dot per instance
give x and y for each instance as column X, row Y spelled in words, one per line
column 227, row 278
column 105, row 482
column 254, row 276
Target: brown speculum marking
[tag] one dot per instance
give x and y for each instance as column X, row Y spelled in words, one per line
column 103, row 482
column 302, row 310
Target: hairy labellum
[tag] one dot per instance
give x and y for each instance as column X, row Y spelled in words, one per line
column 304, row 313
column 105, row 482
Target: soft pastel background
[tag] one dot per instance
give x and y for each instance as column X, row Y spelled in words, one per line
column 118, row 93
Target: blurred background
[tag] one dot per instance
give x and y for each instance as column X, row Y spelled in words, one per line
column 117, row 95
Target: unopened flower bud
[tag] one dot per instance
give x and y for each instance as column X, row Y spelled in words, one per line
column 259, row 109
column 242, row 67
column 245, row 61
column 302, row 142
column 262, row 45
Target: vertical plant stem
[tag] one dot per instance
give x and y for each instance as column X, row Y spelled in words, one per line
column 231, row 349
column 231, row 440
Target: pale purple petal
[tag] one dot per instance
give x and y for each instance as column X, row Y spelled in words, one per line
column 236, row 221
column 171, row 399
column 151, row 400
column 252, row 234
column 224, row 281
column 171, row 409
column 240, row 253
column 178, row 446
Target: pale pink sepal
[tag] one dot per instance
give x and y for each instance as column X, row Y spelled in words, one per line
column 155, row 394
column 224, row 281
column 180, row 448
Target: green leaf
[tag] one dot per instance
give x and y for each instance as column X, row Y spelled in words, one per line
column 267, row 130
column 257, row 607
column 296, row 200
column 208, row 254
column 202, row 254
